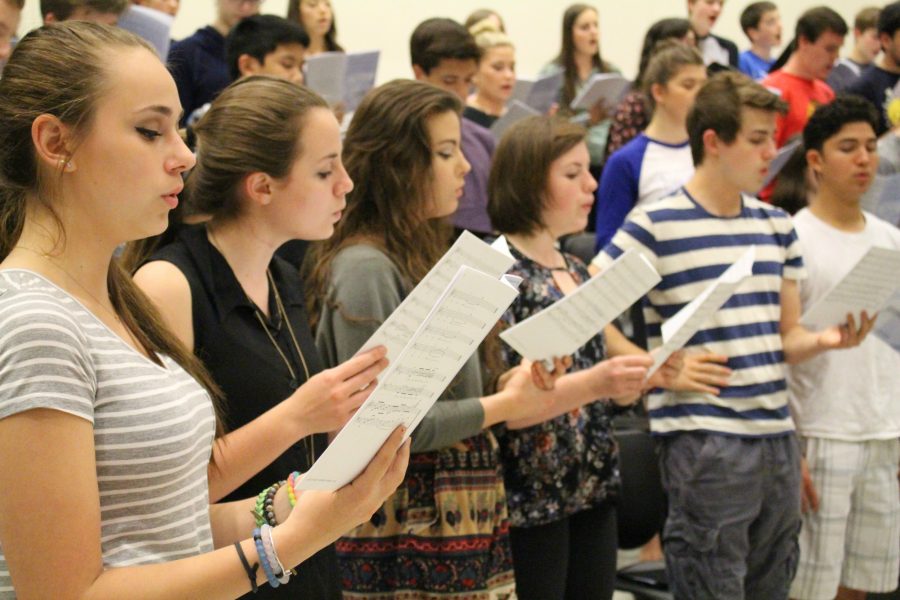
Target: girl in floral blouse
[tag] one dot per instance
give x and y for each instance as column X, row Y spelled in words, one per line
column 560, row 467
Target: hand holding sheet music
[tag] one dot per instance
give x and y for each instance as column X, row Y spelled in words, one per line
column 515, row 112
column 538, row 94
column 866, row 287
column 462, row 316
column 609, row 87
column 568, row 324
column 682, row 326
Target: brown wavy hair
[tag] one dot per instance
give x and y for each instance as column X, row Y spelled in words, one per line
column 388, row 154
column 41, row 78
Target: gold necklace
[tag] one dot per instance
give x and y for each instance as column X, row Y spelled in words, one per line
column 309, row 448
column 70, row 277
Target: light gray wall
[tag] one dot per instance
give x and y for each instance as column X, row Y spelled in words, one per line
column 534, row 25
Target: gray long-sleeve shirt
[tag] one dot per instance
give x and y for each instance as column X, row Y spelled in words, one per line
column 365, row 287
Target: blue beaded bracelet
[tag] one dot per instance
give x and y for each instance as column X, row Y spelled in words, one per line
column 264, row 560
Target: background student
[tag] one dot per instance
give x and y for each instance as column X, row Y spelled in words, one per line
column 10, row 14
column 845, row 404
column 266, row 45
column 496, row 76
column 122, row 409
column 658, row 161
column 632, row 114
column 818, row 38
column 485, row 14
column 716, row 51
column 761, row 23
column 198, row 62
column 443, row 53
column 866, row 47
column 876, row 84
column 98, row 11
column 446, row 531
column 578, row 59
column 316, row 18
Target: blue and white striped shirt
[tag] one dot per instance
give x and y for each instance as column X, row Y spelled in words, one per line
column 690, row 248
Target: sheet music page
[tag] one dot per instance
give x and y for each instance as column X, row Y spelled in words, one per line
column 515, row 112
column 325, row 75
column 609, row 86
column 568, row 324
column 888, row 207
column 153, row 25
column 781, row 159
column 684, row 324
column 463, row 315
column 887, row 327
column 359, row 77
column 544, row 92
column 866, row 287
column 522, row 89
column 399, row 327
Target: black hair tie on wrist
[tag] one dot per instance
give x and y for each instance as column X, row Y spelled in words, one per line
column 251, row 571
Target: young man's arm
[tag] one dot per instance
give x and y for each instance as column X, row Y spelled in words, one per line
column 801, row 344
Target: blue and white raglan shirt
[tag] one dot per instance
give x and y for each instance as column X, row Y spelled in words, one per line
column 641, row 172
column 690, row 248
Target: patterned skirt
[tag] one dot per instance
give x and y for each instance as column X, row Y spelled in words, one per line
column 443, row 535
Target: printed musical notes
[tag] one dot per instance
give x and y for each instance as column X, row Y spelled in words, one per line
column 867, row 287
column 462, row 315
column 468, row 250
column 568, row 324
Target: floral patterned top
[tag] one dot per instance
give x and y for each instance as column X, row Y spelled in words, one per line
column 567, row 464
column 631, row 117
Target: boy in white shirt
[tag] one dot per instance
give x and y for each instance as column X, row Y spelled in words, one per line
column 845, row 403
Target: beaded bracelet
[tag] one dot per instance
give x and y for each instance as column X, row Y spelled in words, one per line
column 283, row 575
column 291, row 482
column 264, row 559
column 264, row 511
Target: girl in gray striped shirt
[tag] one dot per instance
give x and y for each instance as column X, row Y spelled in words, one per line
column 106, row 422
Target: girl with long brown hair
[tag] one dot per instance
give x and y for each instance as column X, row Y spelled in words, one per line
column 445, row 532
column 105, row 429
column 578, row 59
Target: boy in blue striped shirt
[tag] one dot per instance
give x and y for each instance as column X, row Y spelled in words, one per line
column 729, row 457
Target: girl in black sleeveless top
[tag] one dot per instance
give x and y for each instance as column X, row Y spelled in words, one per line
column 269, row 171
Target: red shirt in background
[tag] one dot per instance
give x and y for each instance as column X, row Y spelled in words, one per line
column 803, row 97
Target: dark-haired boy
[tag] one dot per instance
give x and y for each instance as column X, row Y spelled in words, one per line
column 866, row 47
column 818, row 38
column 445, row 54
column 729, row 460
column 266, row 45
column 97, row 11
column 761, row 23
column 845, row 404
column 877, row 82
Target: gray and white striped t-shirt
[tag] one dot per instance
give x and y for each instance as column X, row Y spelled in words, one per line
column 153, row 425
